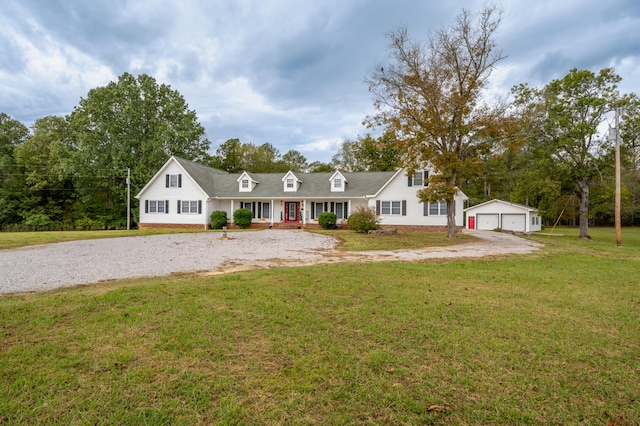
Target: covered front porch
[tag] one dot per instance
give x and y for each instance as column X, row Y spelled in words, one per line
column 292, row 213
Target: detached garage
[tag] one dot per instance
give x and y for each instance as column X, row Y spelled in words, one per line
column 507, row 216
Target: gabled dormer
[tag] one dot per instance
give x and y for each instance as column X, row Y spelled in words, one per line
column 290, row 182
column 246, row 183
column 338, row 182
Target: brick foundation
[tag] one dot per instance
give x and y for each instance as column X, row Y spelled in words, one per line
column 171, row 226
column 420, row 228
column 280, row 225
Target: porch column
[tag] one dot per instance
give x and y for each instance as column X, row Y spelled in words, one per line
column 304, row 212
column 231, row 213
column 273, row 213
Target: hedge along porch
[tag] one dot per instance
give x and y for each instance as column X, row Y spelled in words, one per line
column 184, row 194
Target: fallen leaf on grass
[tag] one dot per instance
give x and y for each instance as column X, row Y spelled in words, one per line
column 437, row 408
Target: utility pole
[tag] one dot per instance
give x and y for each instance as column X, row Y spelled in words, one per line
column 617, row 214
column 128, row 198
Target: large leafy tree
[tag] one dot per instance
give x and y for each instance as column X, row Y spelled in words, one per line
column 368, row 154
column 133, row 123
column 12, row 184
column 294, row 160
column 564, row 119
column 230, row 156
column 430, row 97
column 49, row 163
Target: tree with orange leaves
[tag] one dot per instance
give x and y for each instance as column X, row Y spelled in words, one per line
column 431, row 95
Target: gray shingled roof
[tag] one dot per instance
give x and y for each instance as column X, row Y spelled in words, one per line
column 220, row 184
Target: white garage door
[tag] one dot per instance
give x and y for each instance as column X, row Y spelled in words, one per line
column 487, row 221
column 514, row 222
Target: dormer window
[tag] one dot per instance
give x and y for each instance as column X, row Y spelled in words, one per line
column 290, row 182
column 338, row 182
column 246, row 183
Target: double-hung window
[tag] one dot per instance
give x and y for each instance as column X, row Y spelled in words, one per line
column 173, row 181
column 156, row 206
column 438, row 208
column 189, row 207
column 391, row 207
column 419, row 179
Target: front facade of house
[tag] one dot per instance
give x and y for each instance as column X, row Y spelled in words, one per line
column 498, row 214
column 184, row 194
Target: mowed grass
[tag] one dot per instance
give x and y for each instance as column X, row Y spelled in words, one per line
column 408, row 240
column 546, row 338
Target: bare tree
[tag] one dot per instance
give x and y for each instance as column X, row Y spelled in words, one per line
column 430, row 96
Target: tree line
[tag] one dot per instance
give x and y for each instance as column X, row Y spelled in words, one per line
column 546, row 147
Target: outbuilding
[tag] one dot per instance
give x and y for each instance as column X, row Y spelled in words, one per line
column 498, row 214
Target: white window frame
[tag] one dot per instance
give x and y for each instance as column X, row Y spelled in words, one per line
column 391, row 208
column 418, row 179
column 337, row 183
column 173, row 181
column 438, row 208
column 156, row 206
column 191, row 207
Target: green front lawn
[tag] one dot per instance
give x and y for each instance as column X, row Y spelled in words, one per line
column 546, row 338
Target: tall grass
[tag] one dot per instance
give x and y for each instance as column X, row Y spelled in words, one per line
column 547, row 338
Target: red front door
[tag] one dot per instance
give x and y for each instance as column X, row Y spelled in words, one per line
column 472, row 222
column 292, row 211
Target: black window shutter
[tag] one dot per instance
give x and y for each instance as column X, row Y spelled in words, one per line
column 425, row 209
column 146, row 206
column 180, row 207
column 410, row 180
column 326, row 207
column 259, row 210
column 345, row 213
column 166, row 206
column 404, row 207
column 377, row 207
column 167, row 181
column 180, row 180
column 199, row 206
column 313, row 210
column 426, row 178
column 332, row 207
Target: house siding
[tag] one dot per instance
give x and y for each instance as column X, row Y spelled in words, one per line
column 399, row 190
column 188, row 191
column 218, row 191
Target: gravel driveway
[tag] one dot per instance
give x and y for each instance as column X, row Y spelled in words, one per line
column 50, row 266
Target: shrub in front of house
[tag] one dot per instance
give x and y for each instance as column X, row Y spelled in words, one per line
column 218, row 219
column 327, row 220
column 363, row 219
column 242, row 218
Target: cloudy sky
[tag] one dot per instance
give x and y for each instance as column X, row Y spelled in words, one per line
column 287, row 72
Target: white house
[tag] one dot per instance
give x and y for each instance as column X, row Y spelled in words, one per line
column 498, row 214
column 184, row 194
